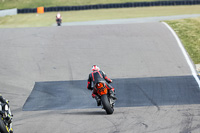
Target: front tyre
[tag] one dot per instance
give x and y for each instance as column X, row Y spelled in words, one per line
column 3, row 128
column 59, row 24
column 106, row 104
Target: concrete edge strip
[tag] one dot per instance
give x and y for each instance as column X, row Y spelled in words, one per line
column 194, row 73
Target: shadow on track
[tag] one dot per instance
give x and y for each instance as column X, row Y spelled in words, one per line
column 86, row 113
column 131, row 92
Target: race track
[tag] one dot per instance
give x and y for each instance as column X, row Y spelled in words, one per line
column 44, row 74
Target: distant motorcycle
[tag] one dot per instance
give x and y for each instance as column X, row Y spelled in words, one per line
column 59, row 21
column 106, row 101
column 5, row 119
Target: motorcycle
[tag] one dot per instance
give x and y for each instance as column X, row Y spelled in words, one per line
column 5, row 119
column 106, row 101
column 59, row 21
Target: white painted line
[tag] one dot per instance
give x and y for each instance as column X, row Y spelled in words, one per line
column 194, row 73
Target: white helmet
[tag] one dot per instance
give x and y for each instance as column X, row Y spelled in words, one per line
column 95, row 68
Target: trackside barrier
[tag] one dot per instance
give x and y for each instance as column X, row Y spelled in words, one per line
column 27, row 10
column 40, row 10
column 119, row 5
column 8, row 12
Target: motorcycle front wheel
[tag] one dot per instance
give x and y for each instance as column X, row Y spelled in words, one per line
column 3, row 127
column 106, row 104
column 59, row 24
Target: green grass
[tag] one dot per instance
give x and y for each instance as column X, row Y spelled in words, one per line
column 7, row 4
column 48, row 19
column 188, row 31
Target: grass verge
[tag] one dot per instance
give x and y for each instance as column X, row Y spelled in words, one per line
column 188, row 31
column 7, row 4
column 48, row 19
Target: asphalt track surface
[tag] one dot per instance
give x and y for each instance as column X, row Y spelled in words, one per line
column 130, row 20
column 44, row 73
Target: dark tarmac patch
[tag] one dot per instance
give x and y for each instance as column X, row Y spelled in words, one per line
column 155, row 91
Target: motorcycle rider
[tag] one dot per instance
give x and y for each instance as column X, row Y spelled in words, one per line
column 58, row 17
column 2, row 100
column 96, row 76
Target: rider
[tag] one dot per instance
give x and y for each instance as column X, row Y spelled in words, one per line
column 58, row 16
column 2, row 100
column 96, row 76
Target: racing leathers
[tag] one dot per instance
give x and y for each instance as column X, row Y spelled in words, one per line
column 58, row 17
column 2, row 99
column 95, row 77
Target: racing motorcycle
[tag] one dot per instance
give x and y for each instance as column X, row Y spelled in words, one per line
column 59, row 21
column 5, row 119
column 106, row 101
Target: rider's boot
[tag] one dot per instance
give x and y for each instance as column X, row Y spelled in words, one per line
column 112, row 94
column 98, row 100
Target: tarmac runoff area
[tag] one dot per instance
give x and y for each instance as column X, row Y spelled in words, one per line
column 44, row 74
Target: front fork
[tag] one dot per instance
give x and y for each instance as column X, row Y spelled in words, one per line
column 111, row 101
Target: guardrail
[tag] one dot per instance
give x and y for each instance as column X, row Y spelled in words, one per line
column 106, row 6
column 8, row 12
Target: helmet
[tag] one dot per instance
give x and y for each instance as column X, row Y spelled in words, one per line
column 58, row 15
column 95, row 68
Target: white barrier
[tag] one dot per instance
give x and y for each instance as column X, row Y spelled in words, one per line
column 8, row 12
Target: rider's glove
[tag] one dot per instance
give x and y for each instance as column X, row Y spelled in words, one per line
column 110, row 81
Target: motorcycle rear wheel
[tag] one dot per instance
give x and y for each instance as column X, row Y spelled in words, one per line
column 3, row 128
column 106, row 104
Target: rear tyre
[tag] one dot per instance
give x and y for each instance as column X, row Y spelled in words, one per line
column 3, row 128
column 106, row 104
